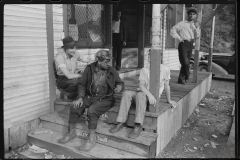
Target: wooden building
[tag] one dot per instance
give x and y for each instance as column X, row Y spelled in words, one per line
column 32, row 37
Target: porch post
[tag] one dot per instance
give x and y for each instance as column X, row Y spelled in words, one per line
column 211, row 43
column 110, row 37
column 65, row 20
column 197, row 45
column 50, row 46
column 155, row 55
column 141, row 22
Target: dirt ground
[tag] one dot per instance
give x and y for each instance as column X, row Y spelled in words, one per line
column 205, row 133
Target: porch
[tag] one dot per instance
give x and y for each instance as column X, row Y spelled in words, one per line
column 159, row 127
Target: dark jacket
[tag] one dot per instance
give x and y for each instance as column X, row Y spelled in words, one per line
column 123, row 34
column 85, row 83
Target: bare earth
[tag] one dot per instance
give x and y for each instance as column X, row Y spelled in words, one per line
column 206, row 132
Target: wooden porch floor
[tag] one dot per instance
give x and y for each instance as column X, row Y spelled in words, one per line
column 178, row 91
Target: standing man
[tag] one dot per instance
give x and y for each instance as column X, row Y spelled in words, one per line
column 66, row 73
column 141, row 97
column 188, row 31
column 96, row 88
column 119, row 40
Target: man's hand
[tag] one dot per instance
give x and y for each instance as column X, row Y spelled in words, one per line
column 124, row 43
column 152, row 100
column 78, row 103
column 173, row 104
column 118, row 89
column 180, row 39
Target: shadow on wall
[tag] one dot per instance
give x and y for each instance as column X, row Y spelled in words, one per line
column 129, row 57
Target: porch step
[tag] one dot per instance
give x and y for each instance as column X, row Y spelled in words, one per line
column 150, row 120
column 47, row 139
column 144, row 145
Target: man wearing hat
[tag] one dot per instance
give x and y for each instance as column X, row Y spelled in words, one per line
column 188, row 31
column 67, row 74
column 96, row 88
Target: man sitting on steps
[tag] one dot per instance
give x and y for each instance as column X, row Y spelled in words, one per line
column 96, row 88
column 67, row 74
column 141, row 97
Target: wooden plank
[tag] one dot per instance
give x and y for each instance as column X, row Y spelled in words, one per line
column 49, row 141
column 24, row 33
column 6, row 140
column 9, row 71
column 23, row 59
column 21, row 110
column 25, row 19
column 50, row 44
column 197, row 45
column 12, row 92
column 26, row 6
column 24, row 63
column 10, row 75
column 141, row 22
column 9, row 11
column 24, row 44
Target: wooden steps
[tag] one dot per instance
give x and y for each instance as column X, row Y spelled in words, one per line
column 144, row 145
column 47, row 139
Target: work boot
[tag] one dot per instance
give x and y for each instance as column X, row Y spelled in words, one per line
column 181, row 81
column 70, row 135
column 90, row 143
column 116, row 128
column 136, row 131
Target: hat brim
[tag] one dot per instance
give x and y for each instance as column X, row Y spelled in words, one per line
column 191, row 11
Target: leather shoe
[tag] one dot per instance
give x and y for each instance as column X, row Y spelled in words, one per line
column 116, row 128
column 90, row 143
column 136, row 132
column 181, row 82
column 69, row 136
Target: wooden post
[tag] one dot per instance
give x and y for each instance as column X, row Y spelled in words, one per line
column 211, row 43
column 141, row 21
column 50, row 46
column 65, row 20
column 197, row 45
column 110, row 26
column 163, row 33
column 155, row 55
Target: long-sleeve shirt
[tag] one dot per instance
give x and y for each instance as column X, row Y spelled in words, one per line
column 187, row 31
column 116, row 26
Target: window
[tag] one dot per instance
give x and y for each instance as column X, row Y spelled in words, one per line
column 170, row 42
column 87, row 24
column 148, row 25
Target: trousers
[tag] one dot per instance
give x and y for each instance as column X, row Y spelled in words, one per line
column 70, row 86
column 95, row 109
column 185, row 53
column 140, row 99
column 117, row 50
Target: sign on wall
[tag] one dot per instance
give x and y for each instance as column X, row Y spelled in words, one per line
column 73, row 31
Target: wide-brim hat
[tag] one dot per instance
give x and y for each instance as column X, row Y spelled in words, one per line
column 68, row 42
column 192, row 10
column 103, row 55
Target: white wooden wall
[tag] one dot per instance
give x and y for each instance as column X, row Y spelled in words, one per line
column 26, row 83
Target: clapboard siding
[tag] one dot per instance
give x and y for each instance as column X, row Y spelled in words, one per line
column 26, row 80
column 57, row 26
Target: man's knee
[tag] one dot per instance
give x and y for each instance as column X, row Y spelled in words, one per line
column 127, row 94
column 141, row 95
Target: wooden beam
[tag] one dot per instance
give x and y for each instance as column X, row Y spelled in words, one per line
column 141, row 22
column 110, row 25
column 163, row 6
column 65, row 20
column 217, row 10
column 197, row 46
column 155, row 55
column 50, row 45
column 211, row 43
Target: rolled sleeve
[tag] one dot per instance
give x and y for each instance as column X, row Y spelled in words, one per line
column 143, row 76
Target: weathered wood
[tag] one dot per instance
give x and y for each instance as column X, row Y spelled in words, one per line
column 197, row 45
column 141, row 22
column 6, row 140
column 155, row 55
column 211, row 42
column 18, row 134
column 49, row 141
column 65, row 20
column 50, row 45
column 140, row 145
column 217, row 10
column 177, row 117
